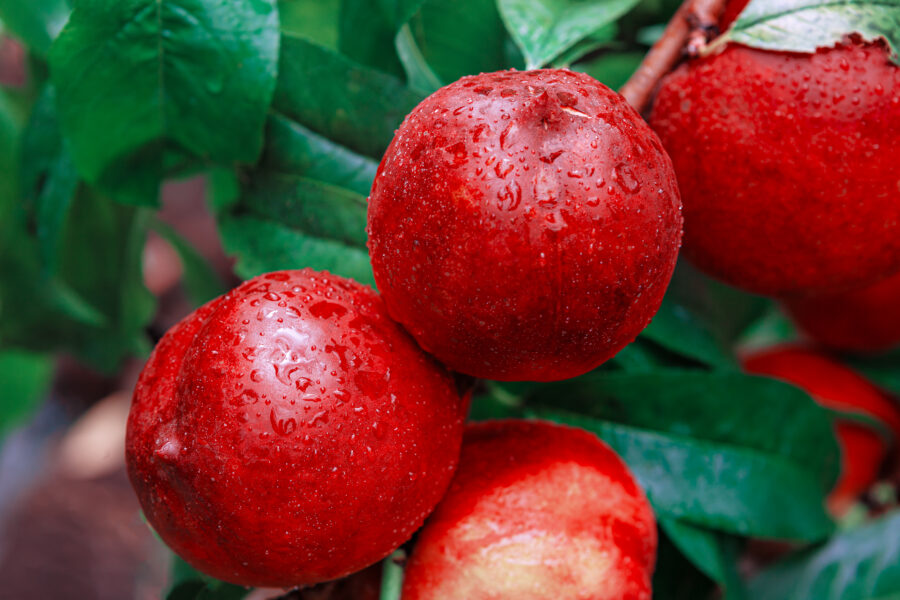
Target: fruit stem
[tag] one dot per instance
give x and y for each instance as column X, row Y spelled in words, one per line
column 691, row 27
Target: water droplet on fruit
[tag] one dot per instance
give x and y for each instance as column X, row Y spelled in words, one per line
column 245, row 398
column 280, row 425
column 625, row 177
column 510, row 197
column 503, row 168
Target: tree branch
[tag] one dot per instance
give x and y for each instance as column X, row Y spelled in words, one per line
column 692, row 26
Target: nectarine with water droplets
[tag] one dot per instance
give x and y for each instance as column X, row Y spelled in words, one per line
column 289, row 432
column 524, row 225
column 535, row 511
column 787, row 165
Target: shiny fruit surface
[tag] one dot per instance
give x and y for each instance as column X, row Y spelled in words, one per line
column 524, row 225
column 289, row 432
column 536, row 511
column 787, row 165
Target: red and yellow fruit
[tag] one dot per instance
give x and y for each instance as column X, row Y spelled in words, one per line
column 524, row 225
column 535, row 511
column 289, row 432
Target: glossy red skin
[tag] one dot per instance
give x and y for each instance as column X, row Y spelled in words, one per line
column 866, row 320
column 535, row 511
column 524, row 225
column 787, row 166
column 289, row 432
column 835, row 386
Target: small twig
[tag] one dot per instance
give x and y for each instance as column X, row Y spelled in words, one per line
column 695, row 23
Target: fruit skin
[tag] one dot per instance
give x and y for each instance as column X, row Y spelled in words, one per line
column 834, row 386
column 865, row 320
column 786, row 164
column 289, row 432
column 535, row 511
column 524, row 225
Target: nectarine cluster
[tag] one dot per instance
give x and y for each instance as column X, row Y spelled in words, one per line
column 522, row 226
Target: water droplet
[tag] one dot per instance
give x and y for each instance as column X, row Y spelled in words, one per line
column 507, row 137
column 282, row 426
column 459, row 154
column 625, row 177
column 327, row 310
column 245, row 398
column 510, row 197
column 503, row 168
column 550, row 158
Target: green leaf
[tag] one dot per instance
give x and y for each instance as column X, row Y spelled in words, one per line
column 200, row 280
column 883, row 370
column 701, row 318
column 189, row 584
column 311, row 206
column 48, row 176
column 716, row 554
column 137, row 79
column 676, row 328
column 262, row 245
column 367, row 29
column 771, row 328
column 324, row 210
column 222, row 189
column 458, row 38
column 594, row 41
column 419, row 75
column 26, row 379
column 96, row 306
column 611, row 69
column 293, row 149
column 713, row 485
column 35, row 22
column 804, row 25
column 721, row 469
column 10, row 130
column 859, row 564
column 348, row 103
column 675, row 577
column 543, row 29
column 315, row 20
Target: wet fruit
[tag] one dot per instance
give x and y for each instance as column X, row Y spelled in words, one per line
column 289, row 432
column 535, row 511
column 834, row 386
column 524, row 225
column 786, row 164
column 865, row 320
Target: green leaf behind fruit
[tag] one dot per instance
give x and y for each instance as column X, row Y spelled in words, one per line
column 805, row 25
column 140, row 80
column 544, row 29
column 859, row 564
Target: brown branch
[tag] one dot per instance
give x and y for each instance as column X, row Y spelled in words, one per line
column 695, row 23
